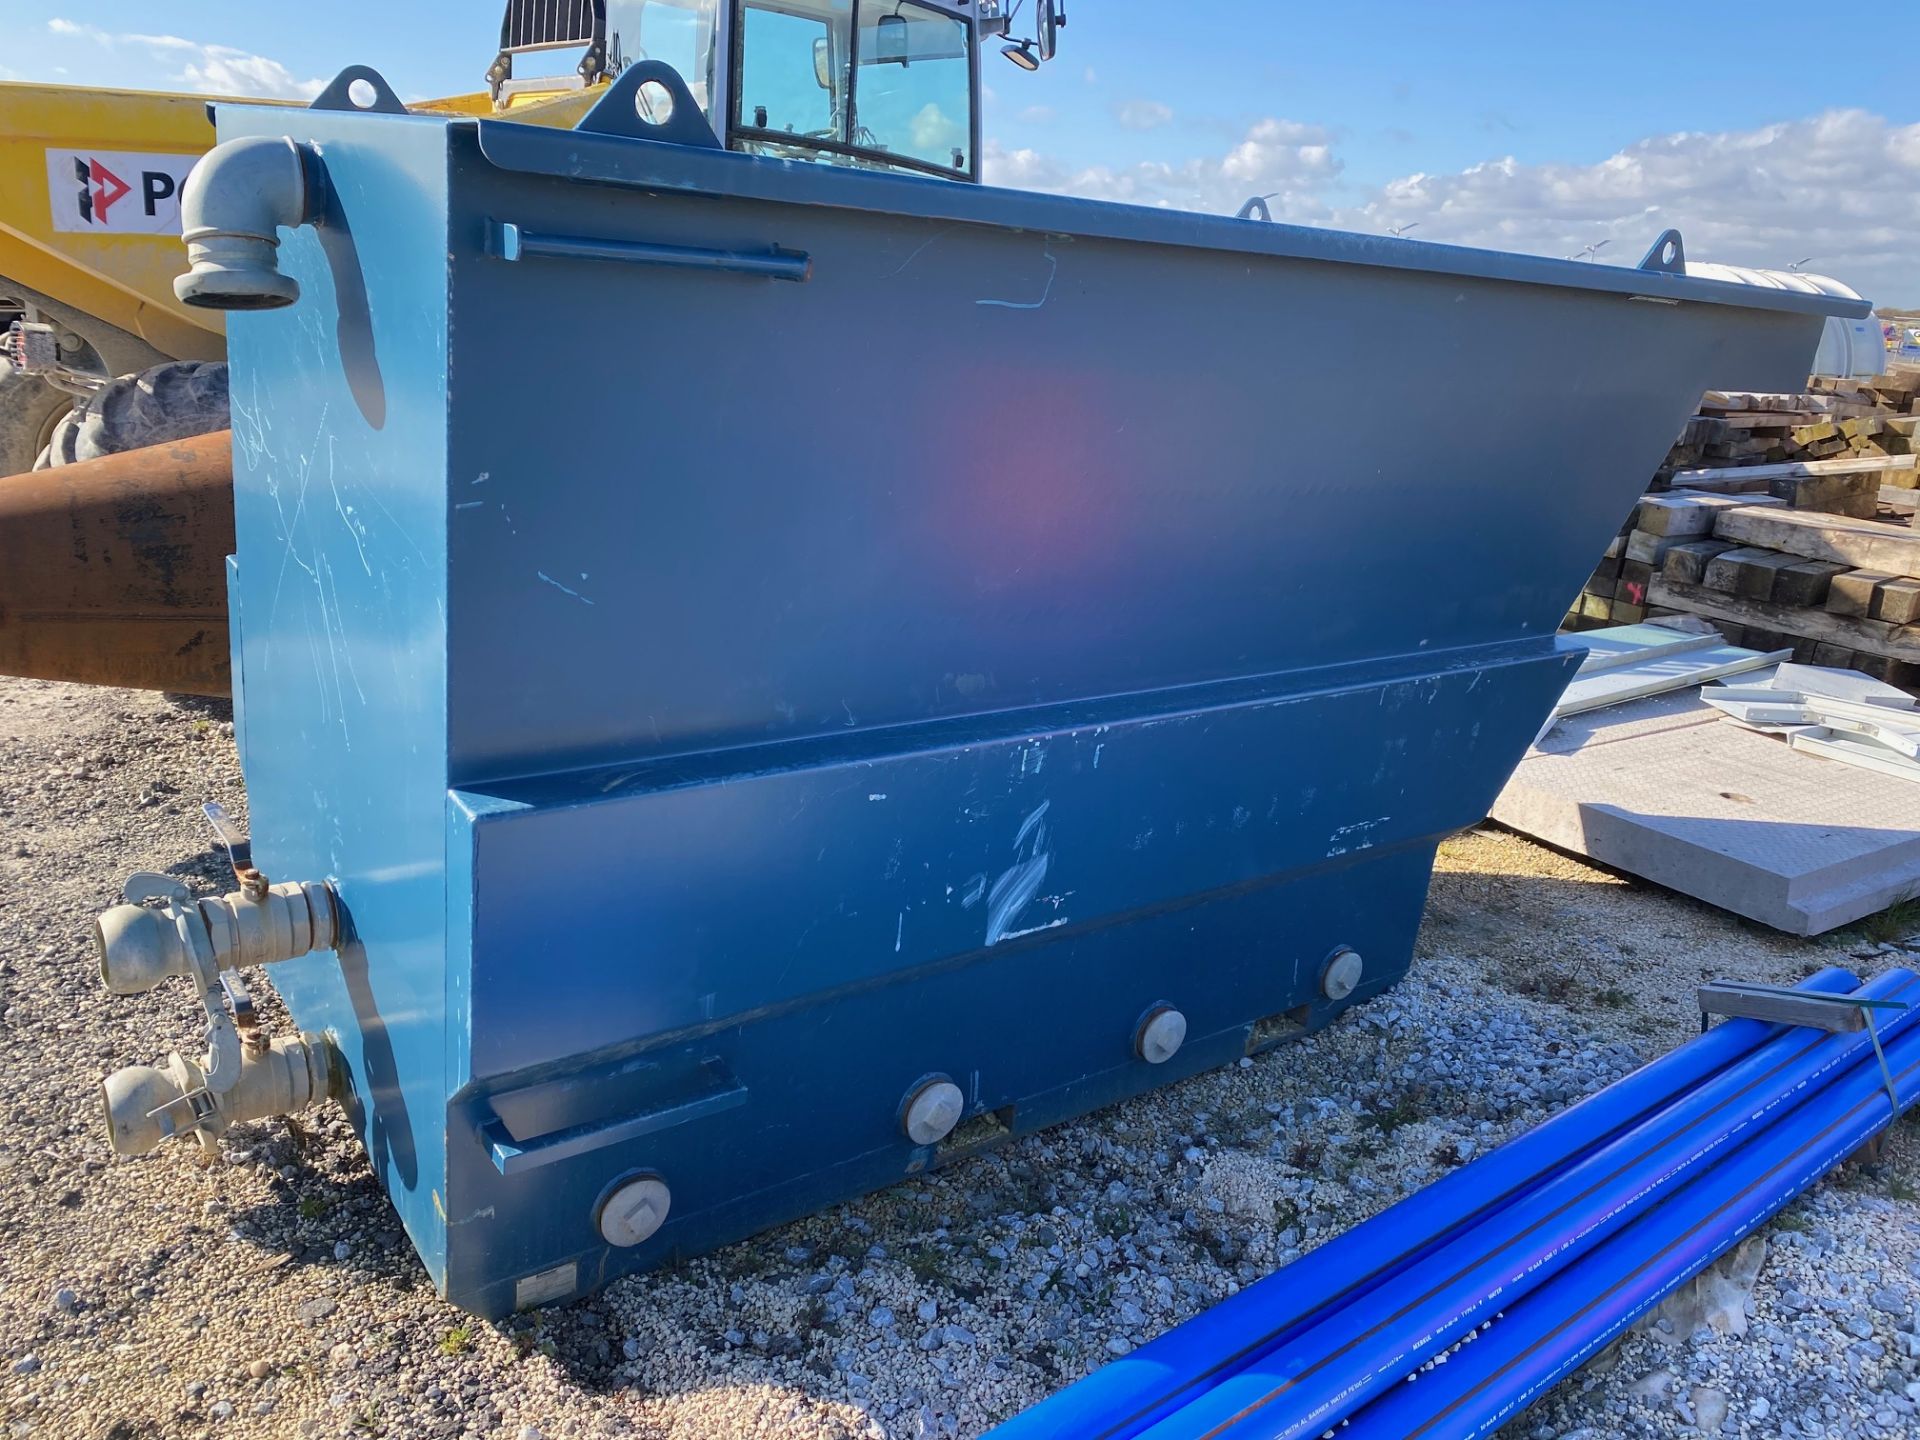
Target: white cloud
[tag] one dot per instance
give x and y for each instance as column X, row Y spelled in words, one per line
column 934, row 130
column 1038, row 115
column 1277, row 157
column 1142, row 114
column 205, row 69
column 1842, row 187
column 1273, row 156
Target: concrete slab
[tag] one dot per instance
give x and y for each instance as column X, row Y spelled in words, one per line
column 1667, row 789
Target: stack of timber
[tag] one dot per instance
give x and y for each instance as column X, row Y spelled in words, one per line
column 1842, row 457
column 1833, row 420
column 1835, row 591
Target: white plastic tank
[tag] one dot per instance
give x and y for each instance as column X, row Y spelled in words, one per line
column 1849, row 349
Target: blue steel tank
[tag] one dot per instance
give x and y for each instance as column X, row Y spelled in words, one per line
column 758, row 678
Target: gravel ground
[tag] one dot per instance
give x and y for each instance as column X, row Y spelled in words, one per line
column 272, row 1293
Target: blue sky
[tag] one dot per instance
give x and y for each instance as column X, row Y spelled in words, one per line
column 1435, row 86
column 1341, row 104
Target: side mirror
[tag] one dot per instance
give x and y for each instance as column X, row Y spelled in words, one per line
column 1049, row 16
column 823, row 63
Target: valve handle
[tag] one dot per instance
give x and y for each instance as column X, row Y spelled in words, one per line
column 223, row 1036
column 238, row 847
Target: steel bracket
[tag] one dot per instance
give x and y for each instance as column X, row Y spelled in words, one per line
column 1668, row 255
column 619, row 111
column 339, row 93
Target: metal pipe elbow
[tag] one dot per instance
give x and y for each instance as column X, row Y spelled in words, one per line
column 231, row 209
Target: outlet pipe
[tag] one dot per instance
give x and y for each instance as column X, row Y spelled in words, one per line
column 236, row 200
column 145, row 1104
column 140, row 948
column 1556, row 1329
column 1123, row 1398
column 1326, row 1372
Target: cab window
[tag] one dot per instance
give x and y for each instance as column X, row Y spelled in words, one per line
column 883, row 83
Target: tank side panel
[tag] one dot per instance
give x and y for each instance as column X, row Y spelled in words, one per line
column 762, row 965
column 339, row 413
column 964, row 469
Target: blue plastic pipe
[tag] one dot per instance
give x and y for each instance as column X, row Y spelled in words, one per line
column 1326, row 1372
column 1556, row 1329
column 1123, row 1398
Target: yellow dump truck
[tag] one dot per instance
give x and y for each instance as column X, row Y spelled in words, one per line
column 96, row 353
column 89, row 245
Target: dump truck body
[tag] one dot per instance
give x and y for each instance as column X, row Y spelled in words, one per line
column 89, row 206
column 903, row 646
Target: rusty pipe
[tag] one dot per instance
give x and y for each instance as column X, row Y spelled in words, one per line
column 113, row 571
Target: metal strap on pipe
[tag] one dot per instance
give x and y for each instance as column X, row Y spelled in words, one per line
column 1795, row 1006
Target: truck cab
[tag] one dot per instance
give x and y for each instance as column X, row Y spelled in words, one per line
column 881, row 84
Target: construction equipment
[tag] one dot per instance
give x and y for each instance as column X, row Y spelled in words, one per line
column 90, row 184
column 746, row 763
column 89, row 181
column 1453, row 1311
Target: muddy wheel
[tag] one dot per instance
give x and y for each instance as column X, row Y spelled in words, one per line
column 30, row 409
column 168, row 402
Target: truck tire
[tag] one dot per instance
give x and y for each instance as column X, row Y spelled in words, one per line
column 30, row 409
column 169, row 402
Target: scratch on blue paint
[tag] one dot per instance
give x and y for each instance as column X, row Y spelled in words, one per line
column 562, row 588
column 1019, row 883
column 1053, row 269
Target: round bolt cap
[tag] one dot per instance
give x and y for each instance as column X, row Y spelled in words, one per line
column 1161, row 1034
column 933, row 1112
column 1340, row 976
column 635, row 1210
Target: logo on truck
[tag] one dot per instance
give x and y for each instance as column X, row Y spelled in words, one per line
column 116, row 192
column 100, row 190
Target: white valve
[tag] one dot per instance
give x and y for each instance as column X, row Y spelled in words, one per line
column 243, row 1076
column 140, row 947
column 145, row 1104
